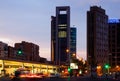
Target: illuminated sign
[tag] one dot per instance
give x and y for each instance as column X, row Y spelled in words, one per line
column 73, row 66
column 114, row 21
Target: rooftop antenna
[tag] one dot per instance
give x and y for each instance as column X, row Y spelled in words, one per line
column 73, row 25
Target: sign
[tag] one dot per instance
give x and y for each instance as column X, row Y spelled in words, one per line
column 73, row 66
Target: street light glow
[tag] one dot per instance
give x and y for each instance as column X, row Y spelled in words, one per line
column 67, row 50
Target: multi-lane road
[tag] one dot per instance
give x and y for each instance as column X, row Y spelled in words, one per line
column 67, row 79
column 83, row 78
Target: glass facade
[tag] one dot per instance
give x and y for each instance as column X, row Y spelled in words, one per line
column 73, row 41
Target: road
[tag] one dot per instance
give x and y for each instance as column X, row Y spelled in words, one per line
column 59, row 79
column 67, row 79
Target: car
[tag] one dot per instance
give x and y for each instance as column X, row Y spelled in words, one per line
column 41, row 74
column 57, row 75
column 33, row 76
column 53, row 75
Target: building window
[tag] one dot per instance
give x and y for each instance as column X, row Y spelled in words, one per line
column 62, row 26
column 63, row 12
column 62, row 34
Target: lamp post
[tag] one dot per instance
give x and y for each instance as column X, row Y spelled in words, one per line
column 59, row 53
column 67, row 51
column 99, row 68
column 73, row 55
column 117, row 68
column 68, row 54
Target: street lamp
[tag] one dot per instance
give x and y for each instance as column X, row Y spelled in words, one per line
column 67, row 50
column 117, row 68
column 68, row 54
column 73, row 54
column 80, row 59
column 99, row 70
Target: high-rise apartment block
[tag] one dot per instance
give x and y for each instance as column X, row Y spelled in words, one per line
column 97, row 36
column 60, row 35
column 114, row 42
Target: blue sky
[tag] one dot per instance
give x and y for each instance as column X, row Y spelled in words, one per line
column 29, row 20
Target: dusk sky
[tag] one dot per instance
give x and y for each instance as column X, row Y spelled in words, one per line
column 30, row 20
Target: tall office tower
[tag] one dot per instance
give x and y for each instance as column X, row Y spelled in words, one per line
column 27, row 51
column 73, row 42
column 114, row 42
column 60, row 35
column 97, row 37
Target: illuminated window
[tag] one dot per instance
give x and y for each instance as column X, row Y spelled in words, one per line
column 63, row 12
column 62, row 26
column 62, row 34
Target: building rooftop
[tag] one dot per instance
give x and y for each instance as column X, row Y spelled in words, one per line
column 114, row 21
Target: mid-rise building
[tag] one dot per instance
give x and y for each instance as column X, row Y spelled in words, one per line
column 3, row 50
column 60, row 35
column 97, row 37
column 27, row 51
column 11, row 53
column 114, row 42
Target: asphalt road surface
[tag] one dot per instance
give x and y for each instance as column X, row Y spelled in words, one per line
column 66, row 79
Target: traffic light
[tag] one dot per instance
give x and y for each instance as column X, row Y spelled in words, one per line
column 69, row 69
column 106, row 66
column 19, row 52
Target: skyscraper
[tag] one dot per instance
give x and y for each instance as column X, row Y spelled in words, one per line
column 73, row 35
column 60, row 35
column 97, row 37
column 114, row 42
